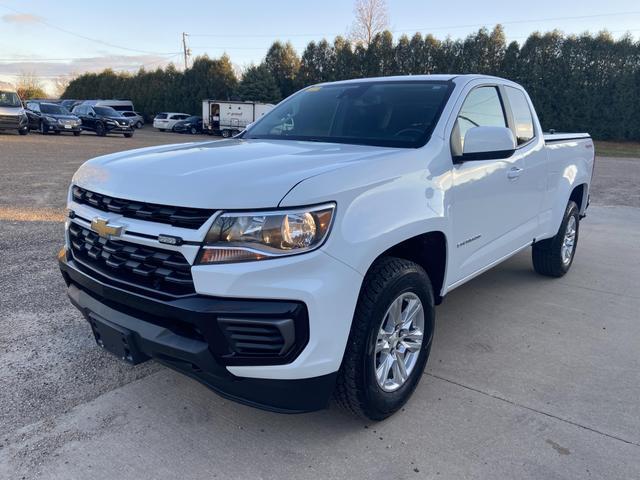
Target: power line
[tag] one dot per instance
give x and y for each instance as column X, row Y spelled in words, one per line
column 84, row 37
column 75, row 59
column 423, row 29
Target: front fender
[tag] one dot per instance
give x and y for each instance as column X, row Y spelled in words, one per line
column 381, row 203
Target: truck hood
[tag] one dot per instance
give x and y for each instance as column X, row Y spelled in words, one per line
column 226, row 174
column 11, row 110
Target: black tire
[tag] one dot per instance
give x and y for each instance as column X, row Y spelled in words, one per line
column 226, row 133
column 128, row 135
column 139, row 124
column 76, row 134
column 56, row 132
column 193, row 130
column 100, row 130
column 547, row 254
column 357, row 388
column 161, row 129
column 44, row 129
column 24, row 131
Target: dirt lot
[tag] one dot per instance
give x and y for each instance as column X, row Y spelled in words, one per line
column 528, row 378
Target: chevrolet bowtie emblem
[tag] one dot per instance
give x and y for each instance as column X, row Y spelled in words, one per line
column 101, row 227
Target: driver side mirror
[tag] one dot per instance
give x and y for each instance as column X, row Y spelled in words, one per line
column 487, row 143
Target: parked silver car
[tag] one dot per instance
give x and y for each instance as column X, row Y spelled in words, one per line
column 136, row 119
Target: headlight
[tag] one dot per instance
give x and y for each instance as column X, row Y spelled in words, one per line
column 51, row 119
column 111, row 122
column 242, row 237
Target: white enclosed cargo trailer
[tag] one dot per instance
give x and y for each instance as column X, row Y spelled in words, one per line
column 227, row 118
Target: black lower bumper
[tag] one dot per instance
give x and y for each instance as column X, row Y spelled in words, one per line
column 137, row 328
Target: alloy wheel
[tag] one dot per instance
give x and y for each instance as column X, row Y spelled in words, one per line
column 399, row 341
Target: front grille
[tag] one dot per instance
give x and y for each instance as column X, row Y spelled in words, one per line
column 9, row 120
column 147, row 267
column 176, row 216
column 264, row 338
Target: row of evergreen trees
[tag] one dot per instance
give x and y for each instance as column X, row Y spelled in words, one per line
column 577, row 83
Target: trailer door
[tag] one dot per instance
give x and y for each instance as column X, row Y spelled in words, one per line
column 214, row 116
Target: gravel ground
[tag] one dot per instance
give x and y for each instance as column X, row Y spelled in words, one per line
column 48, row 362
column 52, row 374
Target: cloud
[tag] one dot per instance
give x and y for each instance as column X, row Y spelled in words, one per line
column 48, row 71
column 21, row 18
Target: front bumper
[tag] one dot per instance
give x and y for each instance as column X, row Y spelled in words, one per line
column 181, row 334
column 56, row 127
column 118, row 128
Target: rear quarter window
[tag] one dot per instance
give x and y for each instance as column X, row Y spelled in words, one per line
column 522, row 117
column 161, row 116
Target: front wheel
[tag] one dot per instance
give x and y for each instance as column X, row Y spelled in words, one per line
column 24, row 131
column 76, row 134
column 390, row 340
column 193, row 130
column 553, row 257
column 44, row 129
column 100, row 130
column 226, row 133
column 128, row 135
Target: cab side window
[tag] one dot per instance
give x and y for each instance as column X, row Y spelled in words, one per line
column 522, row 117
column 481, row 108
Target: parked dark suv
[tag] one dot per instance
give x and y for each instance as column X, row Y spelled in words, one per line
column 49, row 117
column 190, row 125
column 103, row 120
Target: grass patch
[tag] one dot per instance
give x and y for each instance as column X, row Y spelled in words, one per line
column 617, row 149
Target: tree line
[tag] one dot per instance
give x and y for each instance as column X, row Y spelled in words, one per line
column 577, row 83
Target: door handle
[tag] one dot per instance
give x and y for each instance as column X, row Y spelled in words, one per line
column 514, row 172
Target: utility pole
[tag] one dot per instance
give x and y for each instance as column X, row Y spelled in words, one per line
column 187, row 52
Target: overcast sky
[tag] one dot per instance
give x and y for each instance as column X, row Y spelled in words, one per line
column 51, row 39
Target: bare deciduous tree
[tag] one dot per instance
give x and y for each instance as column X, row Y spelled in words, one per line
column 371, row 18
column 29, row 86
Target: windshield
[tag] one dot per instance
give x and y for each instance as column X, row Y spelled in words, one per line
column 9, row 99
column 53, row 109
column 384, row 113
column 107, row 111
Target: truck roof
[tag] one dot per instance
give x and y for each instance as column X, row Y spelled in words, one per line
column 435, row 77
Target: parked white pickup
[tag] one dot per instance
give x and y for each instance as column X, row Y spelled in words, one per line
column 305, row 256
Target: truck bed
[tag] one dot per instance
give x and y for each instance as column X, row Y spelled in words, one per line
column 564, row 137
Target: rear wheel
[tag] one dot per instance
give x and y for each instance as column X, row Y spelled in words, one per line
column 161, row 129
column 139, row 124
column 390, row 340
column 226, row 133
column 44, row 129
column 553, row 257
column 76, row 134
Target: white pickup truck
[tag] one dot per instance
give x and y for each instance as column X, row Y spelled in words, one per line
column 304, row 257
